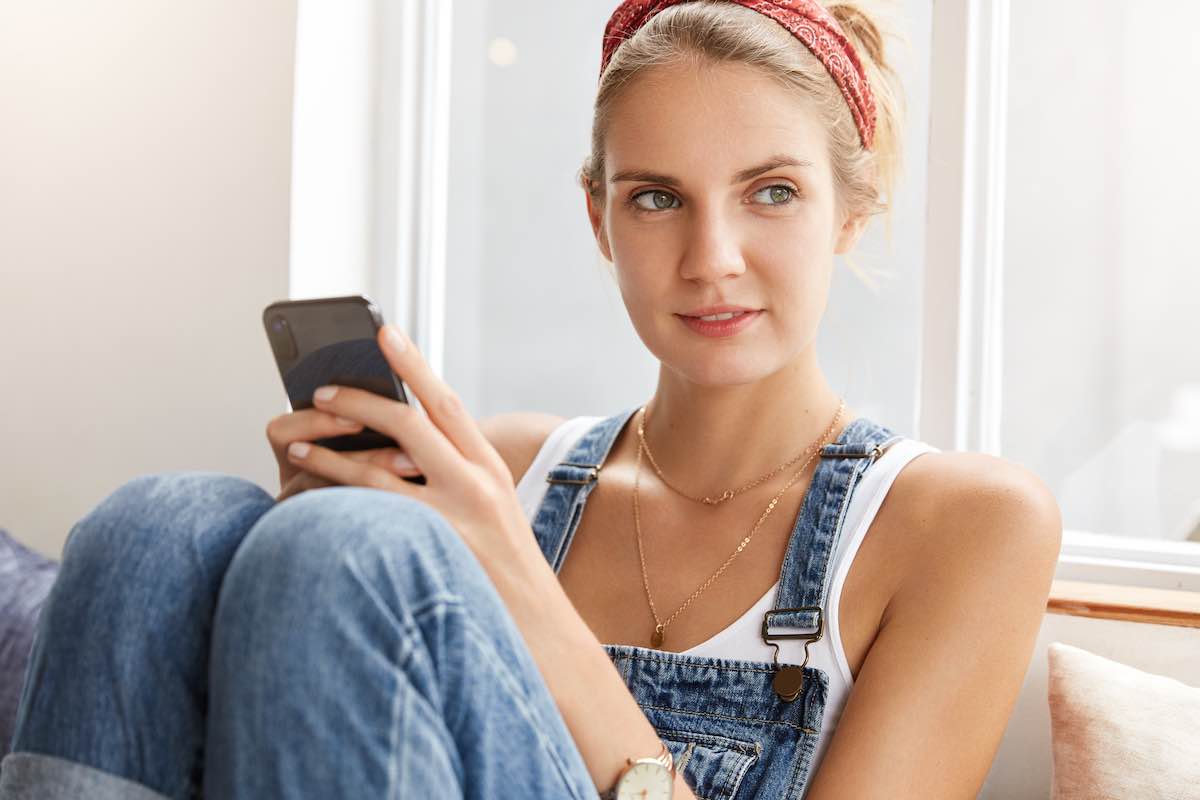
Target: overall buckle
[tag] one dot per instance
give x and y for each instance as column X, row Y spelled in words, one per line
column 788, row 682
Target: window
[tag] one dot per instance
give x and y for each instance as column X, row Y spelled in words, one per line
column 1080, row 345
column 1037, row 300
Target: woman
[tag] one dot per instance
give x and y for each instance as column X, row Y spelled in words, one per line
column 380, row 638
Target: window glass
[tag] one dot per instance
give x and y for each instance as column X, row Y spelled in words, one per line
column 1101, row 284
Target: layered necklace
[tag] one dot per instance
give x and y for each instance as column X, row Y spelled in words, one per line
column 660, row 625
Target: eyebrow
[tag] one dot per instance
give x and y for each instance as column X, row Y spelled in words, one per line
column 744, row 175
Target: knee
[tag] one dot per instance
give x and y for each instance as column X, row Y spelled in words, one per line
column 314, row 547
column 155, row 523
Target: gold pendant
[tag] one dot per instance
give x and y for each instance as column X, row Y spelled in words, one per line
column 657, row 638
column 788, row 683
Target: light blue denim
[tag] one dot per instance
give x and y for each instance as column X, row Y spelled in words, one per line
column 346, row 643
column 730, row 733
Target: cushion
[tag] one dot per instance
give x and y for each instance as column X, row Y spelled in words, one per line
column 25, row 581
column 1117, row 731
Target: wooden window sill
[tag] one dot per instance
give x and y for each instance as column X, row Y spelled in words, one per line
column 1130, row 603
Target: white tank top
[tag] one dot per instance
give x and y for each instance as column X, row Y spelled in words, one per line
column 742, row 639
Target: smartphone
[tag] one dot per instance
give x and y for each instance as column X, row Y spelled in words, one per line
column 332, row 340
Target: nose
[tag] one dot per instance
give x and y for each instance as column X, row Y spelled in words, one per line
column 713, row 248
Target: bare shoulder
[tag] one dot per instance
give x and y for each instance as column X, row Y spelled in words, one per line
column 945, row 510
column 938, row 684
column 518, row 435
column 962, row 500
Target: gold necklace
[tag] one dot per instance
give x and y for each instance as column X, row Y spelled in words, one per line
column 660, row 626
column 728, row 493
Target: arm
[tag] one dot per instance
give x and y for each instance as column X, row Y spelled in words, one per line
column 606, row 723
column 935, row 692
column 470, row 483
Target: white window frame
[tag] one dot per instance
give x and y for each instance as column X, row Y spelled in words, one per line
column 959, row 396
column 371, row 159
column 962, row 336
column 413, row 121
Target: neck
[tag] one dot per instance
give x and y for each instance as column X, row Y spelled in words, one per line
column 708, row 439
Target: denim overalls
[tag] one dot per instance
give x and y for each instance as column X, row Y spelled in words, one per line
column 731, row 733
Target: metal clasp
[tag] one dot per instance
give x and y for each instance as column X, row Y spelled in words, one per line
column 593, row 473
column 875, row 452
column 808, row 638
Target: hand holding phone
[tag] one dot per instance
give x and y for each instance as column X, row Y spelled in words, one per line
column 469, row 482
column 329, row 341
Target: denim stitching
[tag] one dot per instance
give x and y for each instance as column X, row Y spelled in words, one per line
column 751, row 751
column 797, row 784
column 753, row 748
column 731, row 717
column 659, row 659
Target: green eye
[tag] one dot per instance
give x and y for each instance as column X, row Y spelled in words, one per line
column 661, row 200
column 779, row 194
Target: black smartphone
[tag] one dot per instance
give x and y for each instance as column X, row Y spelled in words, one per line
column 332, row 340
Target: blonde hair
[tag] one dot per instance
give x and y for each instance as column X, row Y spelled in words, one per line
column 723, row 31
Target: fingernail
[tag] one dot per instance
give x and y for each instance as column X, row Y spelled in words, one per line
column 325, row 393
column 298, row 449
column 396, row 339
column 349, row 423
column 402, row 461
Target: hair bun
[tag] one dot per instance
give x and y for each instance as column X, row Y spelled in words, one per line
column 860, row 28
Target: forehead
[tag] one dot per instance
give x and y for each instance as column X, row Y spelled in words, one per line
column 702, row 116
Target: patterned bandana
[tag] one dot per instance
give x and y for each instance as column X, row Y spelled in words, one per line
column 807, row 20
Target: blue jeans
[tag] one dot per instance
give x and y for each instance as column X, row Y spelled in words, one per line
column 342, row 643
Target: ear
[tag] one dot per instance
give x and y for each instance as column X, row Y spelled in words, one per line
column 852, row 228
column 596, row 217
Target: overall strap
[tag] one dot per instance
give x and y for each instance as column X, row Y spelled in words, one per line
column 571, row 481
column 805, row 575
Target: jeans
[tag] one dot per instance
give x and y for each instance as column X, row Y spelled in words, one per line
column 342, row 643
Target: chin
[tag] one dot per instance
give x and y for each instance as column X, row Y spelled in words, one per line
column 716, row 366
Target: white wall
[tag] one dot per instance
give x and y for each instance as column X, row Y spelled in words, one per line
column 144, row 161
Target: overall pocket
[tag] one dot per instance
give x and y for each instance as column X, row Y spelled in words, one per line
column 712, row 765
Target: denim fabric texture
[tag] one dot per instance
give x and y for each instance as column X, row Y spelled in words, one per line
column 25, row 581
column 203, row 640
column 731, row 734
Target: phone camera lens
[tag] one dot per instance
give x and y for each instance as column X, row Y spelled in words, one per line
column 280, row 334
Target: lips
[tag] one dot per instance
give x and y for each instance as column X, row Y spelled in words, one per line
column 723, row 308
column 718, row 316
column 720, row 328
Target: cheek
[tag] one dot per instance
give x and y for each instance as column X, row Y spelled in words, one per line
column 644, row 260
column 638, row 244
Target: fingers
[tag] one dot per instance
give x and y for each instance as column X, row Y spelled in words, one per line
column 294, row 480
column 389, row 458
column 433, row 453
column 440, row 402
column 301, row 482
column 303, row 425
column 340, row 468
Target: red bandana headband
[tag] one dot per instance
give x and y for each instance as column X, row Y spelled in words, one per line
column 807, row 20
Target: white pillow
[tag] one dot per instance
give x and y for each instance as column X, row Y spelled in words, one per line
column 1119, row 732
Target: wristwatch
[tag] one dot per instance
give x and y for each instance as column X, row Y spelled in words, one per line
column 648, row 778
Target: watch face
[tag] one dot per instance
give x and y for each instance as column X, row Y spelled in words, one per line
column 646, row 781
